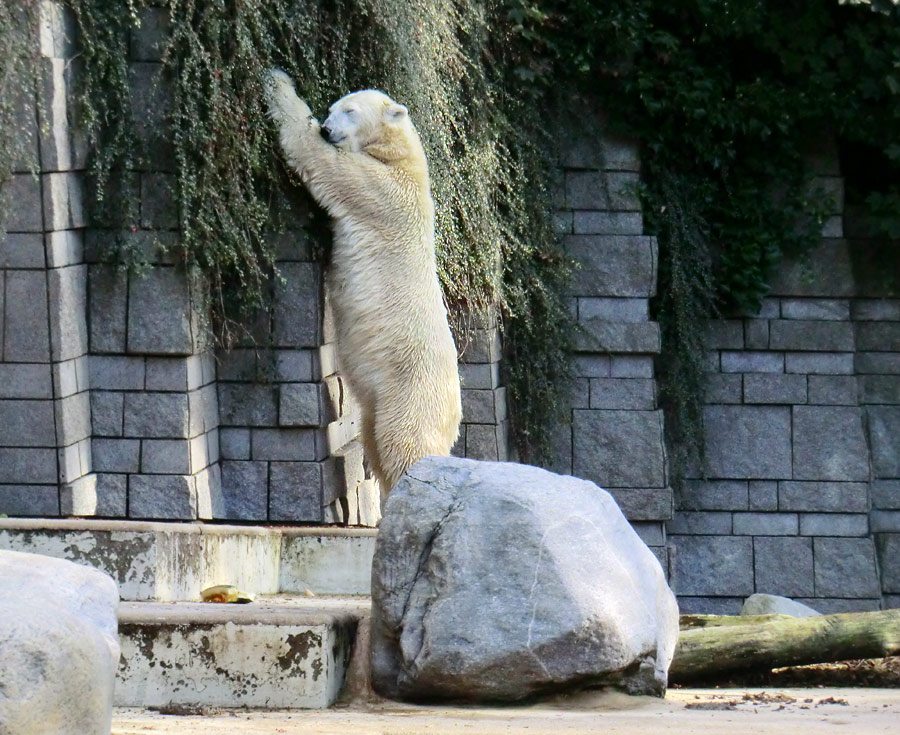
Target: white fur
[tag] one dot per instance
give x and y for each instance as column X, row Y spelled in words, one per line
column 395, row 348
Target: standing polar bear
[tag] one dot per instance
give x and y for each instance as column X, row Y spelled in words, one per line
column 395, row 348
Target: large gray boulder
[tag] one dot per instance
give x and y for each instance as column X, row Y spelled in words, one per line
column 494, row 581
column 762, row 604
column 59, row 647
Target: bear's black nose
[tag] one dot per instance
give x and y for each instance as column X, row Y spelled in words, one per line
column 325, row 132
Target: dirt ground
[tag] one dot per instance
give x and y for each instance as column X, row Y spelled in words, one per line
column 682, row 712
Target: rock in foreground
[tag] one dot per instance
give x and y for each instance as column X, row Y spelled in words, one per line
column 59, row 647
column 496, row 582
column 761, row 604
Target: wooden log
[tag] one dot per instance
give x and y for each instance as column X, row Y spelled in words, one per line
column 710, row 651
column 689, row 622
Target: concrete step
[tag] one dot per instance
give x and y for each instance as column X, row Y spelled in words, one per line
column 279, row 652
column 174, row 561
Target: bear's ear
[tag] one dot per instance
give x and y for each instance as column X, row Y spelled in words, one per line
column 396, row 112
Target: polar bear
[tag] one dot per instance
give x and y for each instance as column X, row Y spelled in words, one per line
column 367, row 168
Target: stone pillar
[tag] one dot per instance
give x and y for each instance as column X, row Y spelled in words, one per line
column 45, row 453
column 616, row 433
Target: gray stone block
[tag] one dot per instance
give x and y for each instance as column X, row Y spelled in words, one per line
column 239, row 365
column 826, row 497
column 756, row 334
column 644, row 503
column 54, row 138
column 628, row 366
column 751, row 442
column 619, row 448
column 22, row 251
column 878, row 336
column 713, row 565
column 283, row 444
column 297, row 313
column 597, row 335
column 208, row 484
column 108, row 293
column 151, row 100
column 164, row 497
column 58, row 31
column 480, row 375
column 99, row 495
column 607, row 223
column 484, row 406
column 26, row 465
column 165, row 457
column 879, row 310
column 116, row 373
column 68, row 308
column 823, row 363
column 763, row 495
column 590, row 366
column 700, row 523
column 813, row 336
column 712, row 495
column 24, row 380
column 723, row 388
column 203, row 410
column 832, row 606
column 889, row 552
column 613, row 310
column 486, row 442
column 599, row 190
column 159, row 206
column 783, row 566
column 623, row 393
column 833, row 390
column 826, row 272
column 65, row 378
column 149, row 38
column 294, row 245
column 116, row 455
column 651, row 533
column 27, row 330
column 482, row 347
column 172, row 373
column 73, row 418
column 880, row 389
column 886, row 494
column 620, row 266
column 245, row 491
column 845, row 567
column 590, row 146
column 752, row 362
column 816, row 309
column 295, row 491
column 247, row 404
column 877, row 362
column 160, row 315
column 834, row 524
column 63, row 200
column 765, row 524
column 829, row 444
column 29, row 500
column 294, row 366
column 27, row 214
column 884, row 428
column 563, row 223
column 774, row 388
column 156, row 415
column 721, row 334
column 27, row 423
column 301, row 404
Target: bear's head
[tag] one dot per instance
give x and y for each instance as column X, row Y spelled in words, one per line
column 371, row 122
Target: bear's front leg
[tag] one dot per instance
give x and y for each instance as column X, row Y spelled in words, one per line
column 284, row 104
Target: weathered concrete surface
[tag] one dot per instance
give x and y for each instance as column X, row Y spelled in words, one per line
column 682, row 712
column 156, row 561
column 274, row 654
column 497, row 581
column 58, row 647
column 327, row 561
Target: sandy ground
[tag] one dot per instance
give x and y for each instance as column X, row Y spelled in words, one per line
column 683, row 712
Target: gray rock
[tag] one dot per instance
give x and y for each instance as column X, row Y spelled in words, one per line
column 59, row 646
column 748, row 441
column 829, row 444
column 760, row 604
column 500, row 581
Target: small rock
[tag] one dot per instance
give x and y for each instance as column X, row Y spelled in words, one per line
column 496, row 581
column 59, row 646
column 760, row 604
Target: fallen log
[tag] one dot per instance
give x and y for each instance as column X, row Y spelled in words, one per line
column 706, row 652
column 689, row 622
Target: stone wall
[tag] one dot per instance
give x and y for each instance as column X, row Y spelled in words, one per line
column 801, row 452
column 614, row 429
